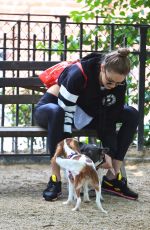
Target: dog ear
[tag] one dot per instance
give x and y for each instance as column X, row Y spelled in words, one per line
column 59, row 149
column 74, row 144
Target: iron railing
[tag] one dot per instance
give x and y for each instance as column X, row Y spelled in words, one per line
column 56, row 38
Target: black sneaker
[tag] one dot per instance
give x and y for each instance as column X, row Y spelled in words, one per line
column 53, row 190
column 118, row 187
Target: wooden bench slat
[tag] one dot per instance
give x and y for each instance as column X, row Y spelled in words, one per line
column 21, row 82
column 36, row 131
column 32, row 83
column 19, row 99
column 22, row 132
column 26, row 65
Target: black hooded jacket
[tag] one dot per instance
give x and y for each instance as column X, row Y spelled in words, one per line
column 98, row 102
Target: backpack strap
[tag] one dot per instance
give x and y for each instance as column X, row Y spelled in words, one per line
column 85, row 76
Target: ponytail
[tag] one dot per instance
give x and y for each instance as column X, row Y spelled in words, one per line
column 117, row 61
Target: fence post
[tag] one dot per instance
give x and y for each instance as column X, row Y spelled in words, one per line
column 141, row 86
column 62, row 31
column 3, row 90
column 112, row 29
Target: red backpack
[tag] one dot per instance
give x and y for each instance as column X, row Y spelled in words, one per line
column 50, row 76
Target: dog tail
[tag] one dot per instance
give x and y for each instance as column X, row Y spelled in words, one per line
column 74, row 166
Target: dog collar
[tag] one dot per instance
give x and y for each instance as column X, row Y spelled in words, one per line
column 72, row 155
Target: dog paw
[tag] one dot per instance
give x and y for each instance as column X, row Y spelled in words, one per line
column 104, row 211
column 86, row 200
column 67, row 202
column 101, row 208
column 75, row 209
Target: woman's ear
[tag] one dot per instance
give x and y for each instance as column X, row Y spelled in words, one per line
column 102, row 68
column 75, row 145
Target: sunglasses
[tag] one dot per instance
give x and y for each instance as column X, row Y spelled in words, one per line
column 111, row 82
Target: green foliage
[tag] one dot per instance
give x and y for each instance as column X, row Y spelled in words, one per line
column 24, row 114
column 147, row 134
column 58, row 47
column 123, row 11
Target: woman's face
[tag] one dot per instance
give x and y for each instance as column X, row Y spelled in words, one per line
column 111, row 79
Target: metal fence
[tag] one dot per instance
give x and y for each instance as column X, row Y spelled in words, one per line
column 56, row 38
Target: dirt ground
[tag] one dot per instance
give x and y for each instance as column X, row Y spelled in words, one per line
column 22, row 206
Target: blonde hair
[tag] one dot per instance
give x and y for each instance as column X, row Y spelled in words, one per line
column 117, row 61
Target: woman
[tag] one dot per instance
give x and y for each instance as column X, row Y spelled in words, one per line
column 96, row 100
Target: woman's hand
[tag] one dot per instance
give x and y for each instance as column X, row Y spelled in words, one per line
column 54, row 89
column 108, row 162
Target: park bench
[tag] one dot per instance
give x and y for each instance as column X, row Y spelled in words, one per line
column 32, row 83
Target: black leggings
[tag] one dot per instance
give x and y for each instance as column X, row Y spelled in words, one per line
column 49, row 115
column 119, row 141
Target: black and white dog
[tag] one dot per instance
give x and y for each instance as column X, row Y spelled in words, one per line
column 81, row 172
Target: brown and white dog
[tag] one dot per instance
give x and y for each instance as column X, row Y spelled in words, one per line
column 81, row 171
